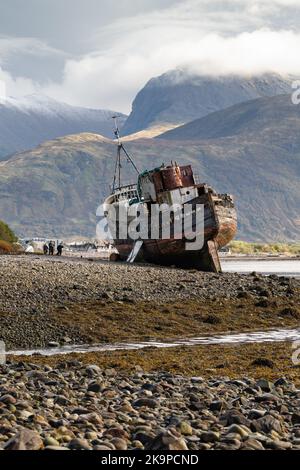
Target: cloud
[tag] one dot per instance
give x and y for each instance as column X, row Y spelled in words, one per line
column 2, row 88
column 25, row 45
column 27, row 63
column 206, row 36
column 16, row 86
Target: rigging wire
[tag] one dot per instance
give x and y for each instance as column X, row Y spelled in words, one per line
column 118, row 165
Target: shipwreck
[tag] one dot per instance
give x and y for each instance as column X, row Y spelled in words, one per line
column 168, row 187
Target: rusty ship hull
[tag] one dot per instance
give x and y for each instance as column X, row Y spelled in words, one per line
column 164, row 186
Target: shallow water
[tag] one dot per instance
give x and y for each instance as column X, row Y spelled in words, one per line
column 281, row 267
column 236, row 338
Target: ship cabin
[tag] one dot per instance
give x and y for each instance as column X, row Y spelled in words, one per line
column 171, row 184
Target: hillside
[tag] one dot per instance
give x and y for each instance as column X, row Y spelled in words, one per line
column 268, row 114
column 55, row 189
column 29, row 121
column 178, row 97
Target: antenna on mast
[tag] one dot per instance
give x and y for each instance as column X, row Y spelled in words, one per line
column 117, row 132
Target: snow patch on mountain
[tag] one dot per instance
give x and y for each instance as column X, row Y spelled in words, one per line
column 28, row 121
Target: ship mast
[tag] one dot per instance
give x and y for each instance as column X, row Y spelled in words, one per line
column 118, row 166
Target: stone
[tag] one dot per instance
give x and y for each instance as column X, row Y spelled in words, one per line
column 203, row 446
column 50, row 441
column 120, row 444
column 278, row 445
column 25, row 414
column 101, row 447
column 93, row 370
column 217, row 405
column 185, row 428
column 243, row 431
column 209, row 436
column 116, row 432
column 267, row 424
column 95, row 387
column 281, row 382
column 254, row 414
column 234, row 416
column 148, row 402
column 229, row 444
column 91, row 435
column 26, row 439
column 62, row 400
column 79, row 444
column 265, row 385
column 252, row 444
column 137, row 444
column 144, row 437
column 168, row 440
column 56, row 448
column 8, row 400
column 267, row 397
column 178, row 444
column 296, row 417
column 67, row 340
column 110, row 372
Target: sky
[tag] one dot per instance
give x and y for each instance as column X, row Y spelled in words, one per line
column 100, row 53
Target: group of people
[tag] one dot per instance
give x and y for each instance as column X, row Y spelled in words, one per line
column 50, row 248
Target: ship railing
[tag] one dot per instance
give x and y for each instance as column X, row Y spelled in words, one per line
column 128, row 191
column 128, row 187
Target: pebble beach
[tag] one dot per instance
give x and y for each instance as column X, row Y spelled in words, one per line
column 79, row 407
column 143, row 400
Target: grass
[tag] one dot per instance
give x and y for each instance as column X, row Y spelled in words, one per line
column 245, row 248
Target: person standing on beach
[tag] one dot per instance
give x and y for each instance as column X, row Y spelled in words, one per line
column 51, row 248
column 59, row 249
column 45, row 249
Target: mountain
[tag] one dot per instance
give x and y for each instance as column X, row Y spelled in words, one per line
column 29, row 121
column 268, row 115
column 178, row 97
column 54, row 190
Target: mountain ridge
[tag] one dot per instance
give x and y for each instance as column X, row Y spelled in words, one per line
column 178, row 96
column 33, row 119
column 249, row 116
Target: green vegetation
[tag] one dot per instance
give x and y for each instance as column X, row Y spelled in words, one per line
column 6, row 234
column 7, row 239
column 245, row 248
